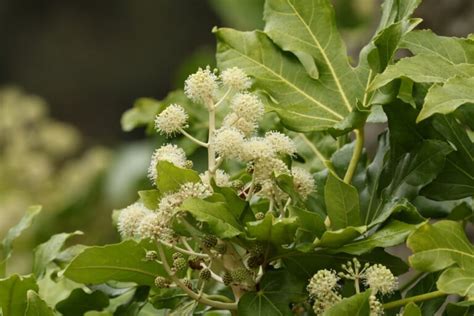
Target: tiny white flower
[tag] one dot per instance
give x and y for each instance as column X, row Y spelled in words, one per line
column 151, row 226
column 170, row 153
column 243, row 125
column 130, row 218
column 281, row 143
column 265, row 168
column 171, row 119
column 221, row 177
column 380, row 279
column 236, row 78
column 257, row 148
column 194, row 190
column 376, row 308
column 303, row 181
column 247, row 106
column 201, row 87
column 323, row 282
column 228, row 142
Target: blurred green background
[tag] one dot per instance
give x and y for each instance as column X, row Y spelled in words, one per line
column 89, row 60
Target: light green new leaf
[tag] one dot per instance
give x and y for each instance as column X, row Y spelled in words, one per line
column 278, row 289
column 411, row 310
column 423, row 69
column 14, row 233
column 314, row 33
column 170, row 177
column 119, row 262
column 340, row 237
column 303, row 104
column 438, row 246
column 217, row 215
column 13, row 299
column 36, row 306
column 447, row 98
column 356, row 305
column 143, row 113
column 80, row 302
column 279, row 231
column 457, row 281
column 342, row 203
column 48, row 251
column 391, row 235
column 451, row 49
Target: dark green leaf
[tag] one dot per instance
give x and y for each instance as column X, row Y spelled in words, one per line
column 340, row 237
column 342, row 203
column 427, row 285
column 13, row 294
column 170, row 177
column 279, row 231
column 465, row 308
column 356, row 305
column 79, row 302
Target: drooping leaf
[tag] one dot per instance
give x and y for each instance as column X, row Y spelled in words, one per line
column 303, row 104
column 340, row 237
column 278, row 289
column 48, row 251
column 356, row 305
column 217, row 215
column 392, row 234
column 170, row 177
column 456, row 180
column 35, row 306
column 440, row 245
column 13, row 294
column 342, row 203
column 457, row 281
column 426, row 285
column 422, row 68
column 119, row 262
column 278, row 231
column 14, row 233
column 142, row 114
column 80, row 302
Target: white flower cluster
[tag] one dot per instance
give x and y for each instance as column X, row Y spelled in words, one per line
column 322, row 288
column 136, row 221
column 171, row 120
column 170, row 153
column 221, row 177
column 380, row 279
column 236, row 78
column 202, row 86
column 247, row 110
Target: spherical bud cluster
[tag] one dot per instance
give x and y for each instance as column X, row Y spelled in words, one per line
column 303, row 181
column 247, row 106
column 228, row 141
column 151, row 226
column 194, row 190
column 322, row 288
column 177, row 255
column 151, row 255
column 171, row 120
column 180, row 264
column 265, row 168
column 376, row 308
column 240, row 274
column 170, row 153
column 380, row 279
column 241, row 124
column 236, row 78
column 205, row 274
column 130, row 218
column 227, row 278
column 201, row 87
column 259, row 216
column 281, row 143
column 209, row 241
column 221, row 177
column 161, row 282
column 187, row 283
column 256, row 148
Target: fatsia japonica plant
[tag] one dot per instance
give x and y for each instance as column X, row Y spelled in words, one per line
column 253, row 213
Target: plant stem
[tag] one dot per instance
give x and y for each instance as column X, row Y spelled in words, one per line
column 185, row 251
column 315, row 150
column 414, row 299
column 192, row 138
column 355, row 155
column 211, row 153
column 199, row 298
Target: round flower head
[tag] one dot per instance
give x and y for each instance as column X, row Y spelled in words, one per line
column 228, row 142
column 196, row 190
column 243, row 125
column 171, row 120
column 130, row 218
column 281, row 143
column 247, row 106
column 169, row 203
column 201, row 87
column 323, row 282
column 151, row 226
column 257, row 148
column 221, row 177
column 264, row 168
column 236, row 78
column 303, row 181
column 170, row 153
column 380, row 279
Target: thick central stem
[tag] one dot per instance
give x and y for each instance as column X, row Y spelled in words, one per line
column 211, row 153
column 359, row 146
column 414, row 299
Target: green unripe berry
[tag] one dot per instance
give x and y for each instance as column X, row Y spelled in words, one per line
column 240, row 274
column 177, row 255
column 180, row 264
column 259, row 216
column 151, row 255
column 209, row 241
column 188, row 164
column 205, row 274
column 161, row 282
column 237, row 184
column 227, row 278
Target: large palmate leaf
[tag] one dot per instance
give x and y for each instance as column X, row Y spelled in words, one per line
column 451, row 49
column 447, row 98
column 457, row 281
column 439, row 246
column 278, row 289
column 456, row 180
column 119, row 262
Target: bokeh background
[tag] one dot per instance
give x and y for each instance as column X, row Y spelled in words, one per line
column 70, row 68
